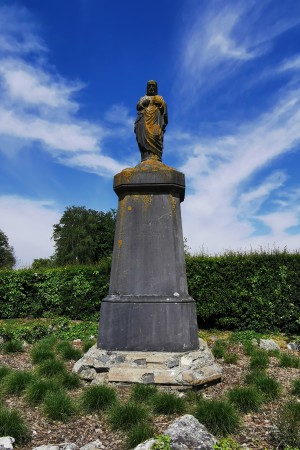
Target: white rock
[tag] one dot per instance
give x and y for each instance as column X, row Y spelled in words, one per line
column 187, row 433
column 6, row 443
column 268, row 344
column 92, row 445
column 146, row 445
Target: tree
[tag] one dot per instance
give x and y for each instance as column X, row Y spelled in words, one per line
column 7, row 257
column 42, row 263
column 83, row 236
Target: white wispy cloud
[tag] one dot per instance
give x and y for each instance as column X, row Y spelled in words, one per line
column 29, row 227
column 220, row 212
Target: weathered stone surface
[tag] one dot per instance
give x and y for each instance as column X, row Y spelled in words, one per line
column 187, row 433
column 293, row 346
column 93, row 445
column 1, row 340
column 6, row 443
column 167, row 368
column 64, row 446
column 268, row 344
column 145, row 445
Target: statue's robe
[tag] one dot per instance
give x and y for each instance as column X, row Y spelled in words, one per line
column 150, row 125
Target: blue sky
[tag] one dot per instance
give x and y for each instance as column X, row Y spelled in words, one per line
column 71, row 72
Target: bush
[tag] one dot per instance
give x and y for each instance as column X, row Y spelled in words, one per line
column 288, row 424
column 15, row 382
column 58, row 406
column 142, row 393
column 98, row 398
column 288, row 360
column 13, row 424
column 163, row 403
column 245, row 399
column 12, row 346
column 219, row 416
column 124, row 417
column 138, row 434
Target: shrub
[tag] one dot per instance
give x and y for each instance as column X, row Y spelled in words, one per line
column 219, row 416
column 58, row 406
column 288, row 424
column 124, row 417
column 51, row 368
column 259, row 360
column 138, row 434
column 288, row 360
column 13, row 424
column 16, row 382
column 245, row 399
column 164, row 403
column 37, row 390
column 67, row 351
column 142, row 393
column 12, row 346
column 98, row 398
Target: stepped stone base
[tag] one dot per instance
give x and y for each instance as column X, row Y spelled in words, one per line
column 193, row 368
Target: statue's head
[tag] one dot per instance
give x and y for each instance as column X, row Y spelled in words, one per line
column 151, row 87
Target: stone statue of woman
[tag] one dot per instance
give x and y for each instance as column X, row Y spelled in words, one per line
column 151, row 122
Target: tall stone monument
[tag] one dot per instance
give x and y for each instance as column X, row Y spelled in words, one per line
column 148, row 327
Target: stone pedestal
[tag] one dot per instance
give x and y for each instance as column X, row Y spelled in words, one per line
column 148, row 307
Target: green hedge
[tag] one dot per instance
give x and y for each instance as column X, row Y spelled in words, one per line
column 257, row 291
column 73, row 292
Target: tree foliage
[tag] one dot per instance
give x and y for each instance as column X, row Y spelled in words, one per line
column 7, row 257
column 83, row 236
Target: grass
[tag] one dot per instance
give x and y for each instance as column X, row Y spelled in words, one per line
column 37, row 390
column 219, row 349
column 270, row 387
column 13, row 424
column 4, row 371
column 259, row 360
column 164, row 403
column 219, row 416
column 245, row 398
column 87, row 344
column 142, row 393
column 125, row 417
column 67, row 351
column 288, row 424
column 70, row 380
column 51, row 368
column 41, row 353
column 230, row 358
column 138, row 434
column 296, row 387
column 58, row 406
column 249, row 348
column 288, row 360
column 98, row 398
column 16, row 382
column 13, row 346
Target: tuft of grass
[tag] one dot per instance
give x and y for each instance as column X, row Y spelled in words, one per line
column 296, row 387
column 193, row 396
column 51, row 368
column 270, row 387
column 41, row 352
column 13, row 346
column 138, row 434
column 288, row 360
column 4, row 371
column 87, row 344
column 219, row 416
column 249, row 348
column 13, row 424
column 67, row 351
column 259, row 360
column 125, row 417
column 288, row 424
column 227, row 444
column 37, row 390
column 219, row 349
column 98, row 398
column 15, row 382
column 58, row 406
column 230, row 358
column 246, row 398
column 142, row 393
column 164, row 403
column 275, row 353
column 70, row 380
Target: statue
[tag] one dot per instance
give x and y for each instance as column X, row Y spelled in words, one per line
column 151, row 122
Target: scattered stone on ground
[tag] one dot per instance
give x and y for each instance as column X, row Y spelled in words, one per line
column 293, row 346
column 6, row 443
column 187, row 433
column 268, row 344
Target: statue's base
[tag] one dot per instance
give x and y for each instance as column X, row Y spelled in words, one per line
column 185, row 369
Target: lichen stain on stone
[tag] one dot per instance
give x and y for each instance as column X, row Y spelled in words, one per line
column 173, row 203
column 129, row 208
column 120, row 242
column 147, row 200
